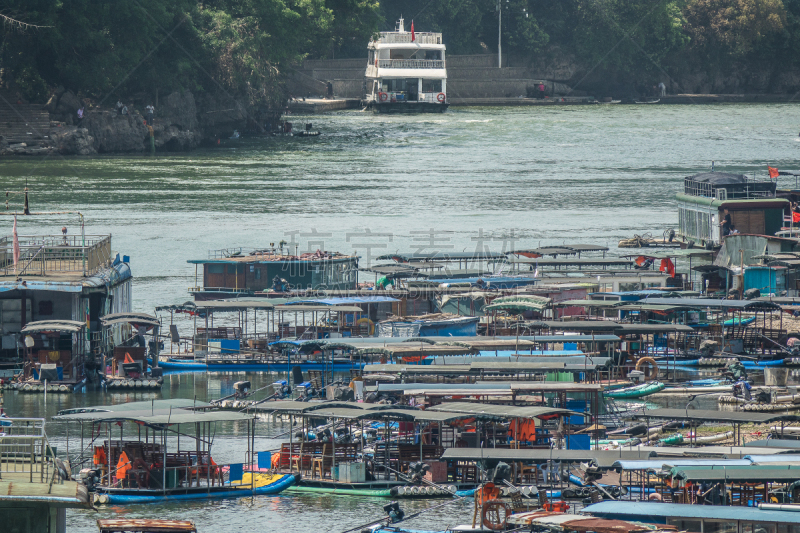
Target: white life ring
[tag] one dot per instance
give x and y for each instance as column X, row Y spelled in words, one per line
column 383, row 97
column 440, row 97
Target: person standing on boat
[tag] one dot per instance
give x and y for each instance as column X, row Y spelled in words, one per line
column 662, row 88
column 541, row 91
column 726, row 224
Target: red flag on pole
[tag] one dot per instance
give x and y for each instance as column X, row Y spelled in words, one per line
column 16, row 243
column 773, row 172
column 413, row 36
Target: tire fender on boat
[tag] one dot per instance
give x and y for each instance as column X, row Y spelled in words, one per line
column 366, row 320
column 650, row 362
column 494, row 515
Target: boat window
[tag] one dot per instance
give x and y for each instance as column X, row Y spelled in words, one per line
column 257, row 273
column 433, row 54
column 431, row 86
column 215, row 269
column 685, row 525
column 235, row 269
column 757, row 527
column 394, row 86
column 715, row 526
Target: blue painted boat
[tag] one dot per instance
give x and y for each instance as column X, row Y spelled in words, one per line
column 276, row 487
column 761, row 364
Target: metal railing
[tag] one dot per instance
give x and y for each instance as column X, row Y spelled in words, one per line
column 419, row 37
column 47, row 254
column 411, row 63
column 25, row 452
column 745, row 190
column 224, row 253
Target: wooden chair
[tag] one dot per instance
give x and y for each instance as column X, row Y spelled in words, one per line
column 321, row 464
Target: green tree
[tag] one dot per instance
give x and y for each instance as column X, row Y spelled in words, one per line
column 733, row 28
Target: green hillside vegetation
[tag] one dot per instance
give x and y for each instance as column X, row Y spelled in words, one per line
column 104, row 48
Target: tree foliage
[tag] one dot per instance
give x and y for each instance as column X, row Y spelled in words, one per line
column 109, row 47
column 106, row 48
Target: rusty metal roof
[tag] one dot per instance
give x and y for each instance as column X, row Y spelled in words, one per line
column 139, row 525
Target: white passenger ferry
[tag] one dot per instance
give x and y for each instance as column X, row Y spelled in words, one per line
column 406, row 72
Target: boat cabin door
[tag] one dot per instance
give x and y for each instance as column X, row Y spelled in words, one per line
column 715, row 229
column 413, row 89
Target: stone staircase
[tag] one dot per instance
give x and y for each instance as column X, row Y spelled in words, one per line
column 23, row 123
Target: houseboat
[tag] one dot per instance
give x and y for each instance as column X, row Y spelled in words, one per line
column 708, row 197
column 406, row 72
column 236, row 272
column 52, row 300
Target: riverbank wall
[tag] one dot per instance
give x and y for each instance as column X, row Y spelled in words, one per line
column 468, row 76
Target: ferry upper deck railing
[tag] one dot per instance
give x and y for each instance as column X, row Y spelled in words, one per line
column 405, row 37
column 411, row 63
column 25, row 453
column 224, row 253
column 42, row 255
column 750, row 189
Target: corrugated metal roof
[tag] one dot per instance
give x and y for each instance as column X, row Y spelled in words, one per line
column 738, row 474
column 654, row 511
column 775, row 443
column 409, row 415
column 297, row 308
column 293, row 407
column 504, row 411
column 589, row 303
column 579, row 262
column 147, row 413
column 658, row 464
column 761, row 459
column 441, row 256
column 153, row 405
column 64, row 494
column 348, row 300
column 710, row 415
column 716, row 304
column 603, row 458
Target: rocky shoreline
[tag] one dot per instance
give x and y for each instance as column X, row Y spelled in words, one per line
column 181, row 123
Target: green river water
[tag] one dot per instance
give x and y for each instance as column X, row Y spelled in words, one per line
column 488, row 178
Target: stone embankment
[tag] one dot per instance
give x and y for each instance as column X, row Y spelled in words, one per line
column 180, row 124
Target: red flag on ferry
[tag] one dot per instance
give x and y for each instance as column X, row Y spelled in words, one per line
column 413, row 37
column 773, row 172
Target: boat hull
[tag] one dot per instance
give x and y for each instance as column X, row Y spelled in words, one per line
column 638, row 391
column 276, row 487
column 407, row 107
